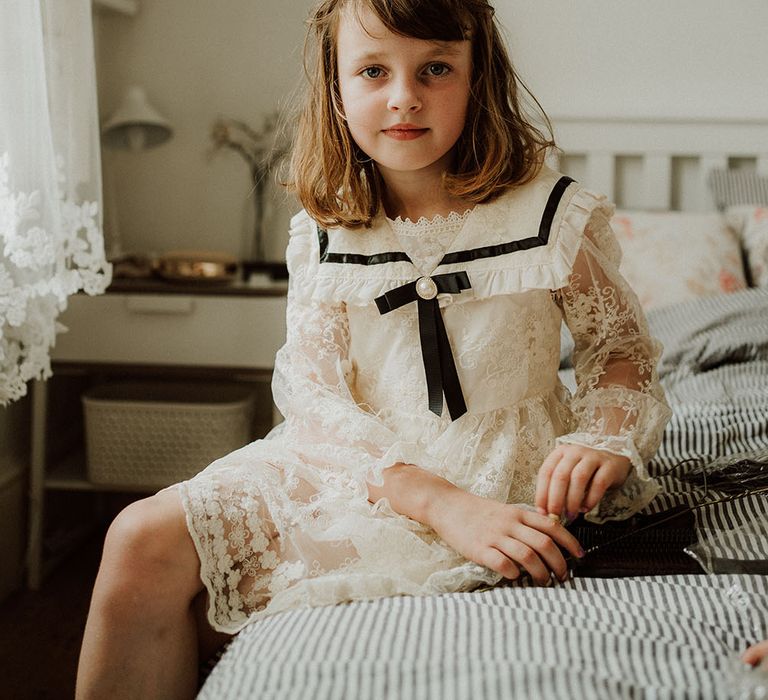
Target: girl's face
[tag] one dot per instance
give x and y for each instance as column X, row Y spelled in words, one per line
column 405, row 99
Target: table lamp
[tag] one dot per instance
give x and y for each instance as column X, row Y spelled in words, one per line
column 134, row 126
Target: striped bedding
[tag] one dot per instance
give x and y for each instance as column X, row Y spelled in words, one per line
column 715, row 373
column 644, row 637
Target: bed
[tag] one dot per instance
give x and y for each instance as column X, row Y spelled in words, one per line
column 672, row 635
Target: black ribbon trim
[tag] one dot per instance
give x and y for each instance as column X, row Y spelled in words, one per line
column 492, row 251
column 545, row 226
column 439, row 365
column 355, row 258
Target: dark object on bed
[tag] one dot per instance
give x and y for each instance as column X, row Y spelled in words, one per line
column 637, row 546
column 732, row 473
column 658, row 544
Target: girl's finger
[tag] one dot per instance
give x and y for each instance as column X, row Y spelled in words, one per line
column 554, row 530
column 579, row 485
column 558, row 484
column 756, row 653
column 594, row 496
column 526, row 557
column 499, row 562
column 602, row 480
column 545, row 548
column 542, row 480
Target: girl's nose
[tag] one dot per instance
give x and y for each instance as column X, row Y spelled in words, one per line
column 404, row 97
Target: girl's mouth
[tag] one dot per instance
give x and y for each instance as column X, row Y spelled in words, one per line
column 405, row 132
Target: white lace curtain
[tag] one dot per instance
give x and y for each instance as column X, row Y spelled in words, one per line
column 51, row 241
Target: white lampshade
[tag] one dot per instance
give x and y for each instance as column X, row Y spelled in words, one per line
column 135, row 124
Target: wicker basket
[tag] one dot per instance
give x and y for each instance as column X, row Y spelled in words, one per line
column 156, row 434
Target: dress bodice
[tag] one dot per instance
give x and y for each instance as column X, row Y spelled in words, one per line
column 538, row 255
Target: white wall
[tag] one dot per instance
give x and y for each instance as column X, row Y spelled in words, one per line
column 197, row 61
column 241, row 58
column 650, row 58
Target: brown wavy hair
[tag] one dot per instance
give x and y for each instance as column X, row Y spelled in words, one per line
column 499, row 147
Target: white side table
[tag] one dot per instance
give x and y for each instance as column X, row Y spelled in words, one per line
column 141, row 327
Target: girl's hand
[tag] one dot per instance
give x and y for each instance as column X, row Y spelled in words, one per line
column 574, row 478
column 503, row 537
column 756, row 654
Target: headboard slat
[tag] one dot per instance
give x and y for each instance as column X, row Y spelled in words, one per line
column 657, row 163
column 657, row 181
column 601, row 172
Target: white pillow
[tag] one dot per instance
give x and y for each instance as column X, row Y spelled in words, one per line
column 752, row 224
column 669, row 257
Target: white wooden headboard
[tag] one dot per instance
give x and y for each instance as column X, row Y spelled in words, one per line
column 657, row 164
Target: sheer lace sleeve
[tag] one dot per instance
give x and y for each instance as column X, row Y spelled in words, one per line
column 619, row 405
column 312, row 387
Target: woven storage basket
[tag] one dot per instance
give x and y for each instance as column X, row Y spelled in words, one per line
column 159, row 433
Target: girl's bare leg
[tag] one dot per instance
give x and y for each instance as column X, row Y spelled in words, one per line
column 209, row 641
column 141, row 638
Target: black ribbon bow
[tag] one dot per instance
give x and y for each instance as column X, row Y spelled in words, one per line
column 439, row 365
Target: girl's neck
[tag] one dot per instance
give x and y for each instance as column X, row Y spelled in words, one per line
column 421, row 201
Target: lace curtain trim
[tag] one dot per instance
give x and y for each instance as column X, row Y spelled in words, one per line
column 38, row 271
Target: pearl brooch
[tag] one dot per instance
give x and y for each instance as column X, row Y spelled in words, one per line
column 426, row 288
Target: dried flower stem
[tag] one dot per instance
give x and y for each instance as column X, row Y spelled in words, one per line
column 262, row 154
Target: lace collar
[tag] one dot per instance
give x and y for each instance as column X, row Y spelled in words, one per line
column 525, row 239
column 438, row 223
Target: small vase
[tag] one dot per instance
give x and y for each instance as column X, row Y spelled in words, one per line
column 257, row 241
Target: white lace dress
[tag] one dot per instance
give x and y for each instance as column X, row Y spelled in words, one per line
column 285, row 522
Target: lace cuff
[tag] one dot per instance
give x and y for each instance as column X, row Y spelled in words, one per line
column 637, row 491
column 397, row 453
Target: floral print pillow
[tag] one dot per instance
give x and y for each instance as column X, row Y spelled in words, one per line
column 752, row 224
column 669, row 257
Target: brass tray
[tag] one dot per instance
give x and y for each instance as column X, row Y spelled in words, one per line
column 196, row 266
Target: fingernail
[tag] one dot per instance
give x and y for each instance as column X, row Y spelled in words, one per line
column 581, row 553
column 571, row 517
column 554, row 516
column 583, row 509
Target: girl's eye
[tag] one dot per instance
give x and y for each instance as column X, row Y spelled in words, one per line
column 372, row 72
column 437, row 70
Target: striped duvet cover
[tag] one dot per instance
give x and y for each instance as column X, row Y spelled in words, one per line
column 643, row 637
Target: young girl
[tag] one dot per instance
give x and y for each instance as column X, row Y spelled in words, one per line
column 428, row 445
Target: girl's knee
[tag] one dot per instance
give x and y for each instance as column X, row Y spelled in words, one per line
column 148, row 541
